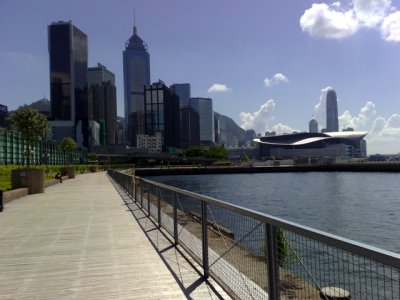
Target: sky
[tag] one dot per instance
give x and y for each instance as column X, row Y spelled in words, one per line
column 266, row 64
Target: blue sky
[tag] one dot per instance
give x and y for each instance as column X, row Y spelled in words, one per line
column 265, row 64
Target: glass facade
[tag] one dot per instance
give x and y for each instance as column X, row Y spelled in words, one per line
column 60, row 72
column 136, row 64
column 332, row 122
column 204, row 107
column 68, row 55
column 162, row 114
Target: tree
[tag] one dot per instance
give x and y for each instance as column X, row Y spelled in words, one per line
column 67, row 145
column 92, row 157
column 32, row 125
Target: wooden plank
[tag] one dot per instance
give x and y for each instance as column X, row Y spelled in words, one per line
column 78, row 240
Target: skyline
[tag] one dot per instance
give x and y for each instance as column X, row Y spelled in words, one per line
column 264, row 65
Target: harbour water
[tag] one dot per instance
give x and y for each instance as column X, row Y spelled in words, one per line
column 361, row 206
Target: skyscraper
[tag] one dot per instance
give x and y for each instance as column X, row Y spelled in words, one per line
column 332, row 123
column 68, row 55
column 204, row 107
column 136, row 64
column 313, row 125
column 103, row 100
column 183, row 92
column 162, row 113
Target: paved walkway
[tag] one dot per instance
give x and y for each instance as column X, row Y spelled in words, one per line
column 80, row 240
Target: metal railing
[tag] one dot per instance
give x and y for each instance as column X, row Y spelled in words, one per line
column 257, row 256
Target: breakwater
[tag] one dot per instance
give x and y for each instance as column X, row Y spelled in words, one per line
column 358, row 167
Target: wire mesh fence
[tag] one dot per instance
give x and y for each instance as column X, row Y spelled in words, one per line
column 256, row 256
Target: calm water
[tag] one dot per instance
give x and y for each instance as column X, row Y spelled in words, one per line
column 361, row 206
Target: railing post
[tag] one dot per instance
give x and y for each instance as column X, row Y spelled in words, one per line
column 1, row 200
column 141, row 192
column 133, row 184
column 272, row 262
column 174, row 204
column 148, row 200
column 159, row 207
column 136, row 188
column 204, row 238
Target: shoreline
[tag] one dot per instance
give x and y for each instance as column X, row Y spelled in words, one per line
column 362, row 167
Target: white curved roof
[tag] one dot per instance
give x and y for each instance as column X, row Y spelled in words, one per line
column 326, row 136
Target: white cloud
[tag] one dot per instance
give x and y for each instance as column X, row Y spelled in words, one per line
column 217, row 87
column 260, row 119
column 371, row 12
column 390, row 27
column 277, row 78
column 362, row 121
column 383, row 134
column 281, row 128
column 323, row 21
column 335, row 21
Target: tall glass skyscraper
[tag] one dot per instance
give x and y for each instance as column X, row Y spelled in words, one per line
column 183, row 92
column 68, row 55
column 136, row 64
column 332, row 122
column 162, row 113
column 204, row 107
column 103, row 100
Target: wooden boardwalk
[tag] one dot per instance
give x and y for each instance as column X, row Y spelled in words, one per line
column 79, row 240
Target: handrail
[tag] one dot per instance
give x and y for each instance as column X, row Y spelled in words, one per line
column 265, row 256
column 379, row 255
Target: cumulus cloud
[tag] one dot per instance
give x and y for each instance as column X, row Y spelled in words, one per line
column 390, row 28
column 281, row 128
column 261, row 120
column 336, row 21
column 276, row 79
column 371, row 12
column 383, row 134
column 362, row 121
column 324, row 21
column 217, row 87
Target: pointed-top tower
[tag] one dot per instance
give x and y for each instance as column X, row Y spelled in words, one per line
column 136, row 64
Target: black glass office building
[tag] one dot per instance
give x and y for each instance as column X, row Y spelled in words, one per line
column 68, row 57
column 162, row 113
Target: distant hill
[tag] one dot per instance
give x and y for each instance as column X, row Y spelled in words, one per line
column 42, row 105
column 231, row 130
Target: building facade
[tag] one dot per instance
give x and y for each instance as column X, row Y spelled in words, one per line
column 345, row 144
column 152, row 143
column 162, row 114
column 190, row 127
column 68, row 57
column 204, row 107
column 136, row 64
column 313, row 126
column 182, row 90
column 332, row 121
column 103, row 101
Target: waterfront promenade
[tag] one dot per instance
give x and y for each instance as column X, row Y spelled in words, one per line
column 83, row 239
